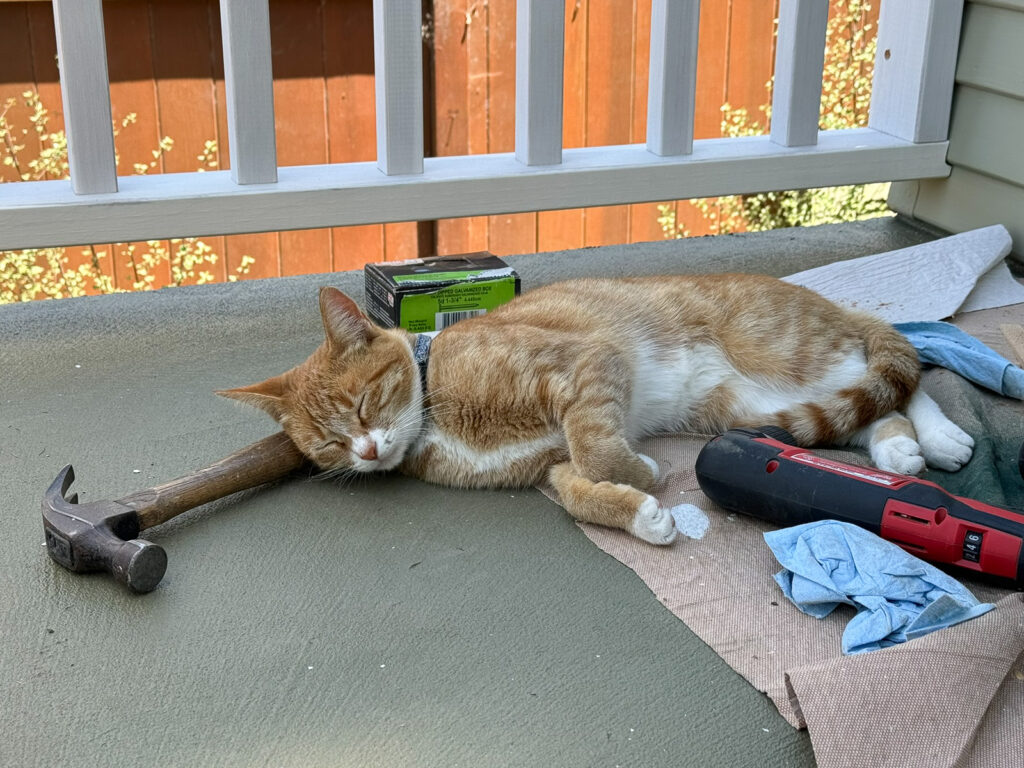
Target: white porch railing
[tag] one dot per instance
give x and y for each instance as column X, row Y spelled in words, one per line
column 906, row 137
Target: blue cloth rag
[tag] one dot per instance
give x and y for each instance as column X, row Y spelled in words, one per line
column 898, row 596
column 947, row 346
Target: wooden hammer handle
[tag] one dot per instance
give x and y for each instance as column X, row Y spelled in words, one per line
column 262, row 462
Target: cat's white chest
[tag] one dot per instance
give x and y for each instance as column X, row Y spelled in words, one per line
column 471, row 461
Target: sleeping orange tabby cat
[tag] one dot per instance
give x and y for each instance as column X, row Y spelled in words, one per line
column 562, row 381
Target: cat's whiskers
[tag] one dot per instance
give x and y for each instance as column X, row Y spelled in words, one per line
column 343, row 475
column 407, row 367
column 418, row 416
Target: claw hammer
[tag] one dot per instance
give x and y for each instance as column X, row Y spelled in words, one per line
column 103, row 535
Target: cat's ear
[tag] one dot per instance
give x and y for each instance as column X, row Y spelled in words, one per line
column 344, row 324
column 267, row 395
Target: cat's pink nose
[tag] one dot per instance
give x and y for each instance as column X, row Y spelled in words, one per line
column 369, row 453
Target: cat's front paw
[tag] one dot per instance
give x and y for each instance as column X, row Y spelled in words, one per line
column 653, row 523
column 900, row 454
column 946, row 446
column 655, row 469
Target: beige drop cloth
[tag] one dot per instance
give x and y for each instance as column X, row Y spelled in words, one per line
column 952, row 698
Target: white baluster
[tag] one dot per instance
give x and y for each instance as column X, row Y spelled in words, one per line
column 799, row 60
column 249, row 86
column 398, row 65
column 672, row 87
column 85, row 90
column 914, row 68
column 540, row 51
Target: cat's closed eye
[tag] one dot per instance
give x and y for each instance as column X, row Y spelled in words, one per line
column 334, row 442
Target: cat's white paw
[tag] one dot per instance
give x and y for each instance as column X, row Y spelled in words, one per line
column 900, row 454
column 652, row 464
column 653, row 523
column 943, row 443
column 945, row 446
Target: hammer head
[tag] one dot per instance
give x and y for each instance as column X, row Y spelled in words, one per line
column 99, row 536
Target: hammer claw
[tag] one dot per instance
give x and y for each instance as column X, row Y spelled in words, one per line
column 55, row 499
column 59, row 487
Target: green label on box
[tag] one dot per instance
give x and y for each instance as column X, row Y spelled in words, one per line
column 437, row 310
column 437, row 277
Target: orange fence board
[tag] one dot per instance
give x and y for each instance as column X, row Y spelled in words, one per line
column 751, row 51
column 515, row 232
column 133, row 91
column 562, row 230
column 300, row 89
column 44, row 61
column 643, row 218
column 611, row 34
column 477, row 92
column 451, row 128
column 351, row 116
column 18, row 77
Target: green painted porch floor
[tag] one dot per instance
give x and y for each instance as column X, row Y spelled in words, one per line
column 379, row 623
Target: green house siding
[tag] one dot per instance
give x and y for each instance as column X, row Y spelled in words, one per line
column 986, row 185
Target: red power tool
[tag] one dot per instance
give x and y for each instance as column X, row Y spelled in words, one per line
column 760, row 472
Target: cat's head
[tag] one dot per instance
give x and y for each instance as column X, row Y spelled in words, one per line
column 356, row 402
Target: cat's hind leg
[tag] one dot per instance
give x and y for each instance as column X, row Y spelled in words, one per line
column 943, row 444
column 892, row 443
column 906, row 444
column 615, row 505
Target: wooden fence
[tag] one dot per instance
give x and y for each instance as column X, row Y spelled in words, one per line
column 165, row 65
